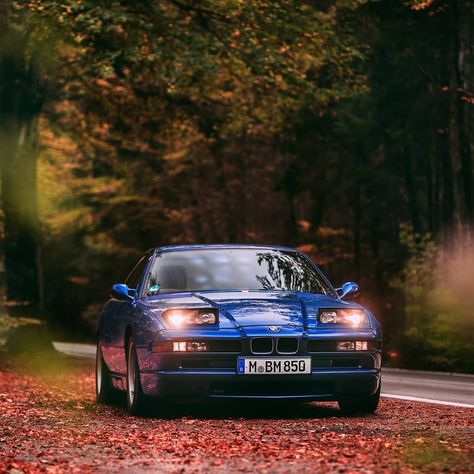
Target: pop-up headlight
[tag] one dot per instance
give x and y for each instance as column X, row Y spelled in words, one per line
column 355, row 318
column 178, row 318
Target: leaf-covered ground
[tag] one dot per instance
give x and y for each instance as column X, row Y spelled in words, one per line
column 49, row 422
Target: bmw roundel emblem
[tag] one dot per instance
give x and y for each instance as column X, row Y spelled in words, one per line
column 273, row 328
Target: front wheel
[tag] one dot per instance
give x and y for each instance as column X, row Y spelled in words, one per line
column 363, row 405
column 136, row 401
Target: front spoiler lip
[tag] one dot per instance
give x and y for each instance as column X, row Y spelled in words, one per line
column 342, row 383
column 233, row 373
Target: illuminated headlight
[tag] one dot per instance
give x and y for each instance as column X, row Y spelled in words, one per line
column 355, row 318
column 352, row 346
column 177, row 318
column 190, row 346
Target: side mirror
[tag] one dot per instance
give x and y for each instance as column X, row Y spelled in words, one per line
column 348, row 290
column 121, row 292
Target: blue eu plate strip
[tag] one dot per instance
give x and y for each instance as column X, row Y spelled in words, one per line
column 240, row 366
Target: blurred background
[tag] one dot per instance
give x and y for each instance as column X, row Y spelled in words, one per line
column 342, row 127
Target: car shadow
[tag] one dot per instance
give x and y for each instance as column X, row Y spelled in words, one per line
column 246, row 409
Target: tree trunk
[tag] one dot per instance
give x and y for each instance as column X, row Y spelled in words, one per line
column 20, row 106
column 463, row 69
column 436, row 185
column 446, row 168
column 429, row 191
column 357, row 226
column 412, row 191
column 18, row 181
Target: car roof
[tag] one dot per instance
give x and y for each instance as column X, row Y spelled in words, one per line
column 172, row 248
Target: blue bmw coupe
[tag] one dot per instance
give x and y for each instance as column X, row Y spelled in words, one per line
column 236, row 321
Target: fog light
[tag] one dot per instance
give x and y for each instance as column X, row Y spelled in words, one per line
column 352, row 346
column 190, row 346
column 196, row 346
column 346, row 346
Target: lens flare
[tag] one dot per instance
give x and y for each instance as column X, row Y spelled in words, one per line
column 354, row 319
column 177, row 319
column 181, row 317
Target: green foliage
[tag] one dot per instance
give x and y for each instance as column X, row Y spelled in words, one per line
column 438, row 330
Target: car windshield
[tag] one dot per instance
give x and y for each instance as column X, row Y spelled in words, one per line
column 233, row 269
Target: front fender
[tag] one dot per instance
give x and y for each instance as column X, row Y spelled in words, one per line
column 145, row 325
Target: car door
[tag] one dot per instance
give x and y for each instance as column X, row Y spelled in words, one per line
column 117, row 316
column 135, row 281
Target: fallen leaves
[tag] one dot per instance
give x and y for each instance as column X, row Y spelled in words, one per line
column 49, row 422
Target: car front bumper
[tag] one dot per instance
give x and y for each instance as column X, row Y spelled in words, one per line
column 170, row 376
column 330, row 385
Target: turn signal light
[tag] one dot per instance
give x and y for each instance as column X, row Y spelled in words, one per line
column 163, row 346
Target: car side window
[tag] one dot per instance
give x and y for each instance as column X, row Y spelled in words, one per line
column 133, row 280
column 152, row 286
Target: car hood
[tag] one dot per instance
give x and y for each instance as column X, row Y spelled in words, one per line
column 259, row 310
column 253, row 308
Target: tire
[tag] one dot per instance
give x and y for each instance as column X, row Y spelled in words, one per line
column 136, row 400
column 362, row 405
column 104, row 390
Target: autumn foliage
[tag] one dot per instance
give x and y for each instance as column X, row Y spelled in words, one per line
column 333, row 126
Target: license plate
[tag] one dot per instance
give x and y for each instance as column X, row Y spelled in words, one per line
column 269, row 366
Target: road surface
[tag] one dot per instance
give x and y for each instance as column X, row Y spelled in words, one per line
column 429, row 387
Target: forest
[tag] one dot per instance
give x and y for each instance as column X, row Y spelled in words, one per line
column 344, row 128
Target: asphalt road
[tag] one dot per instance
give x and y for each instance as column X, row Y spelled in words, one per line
column 429, row 387
column 433, row 387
